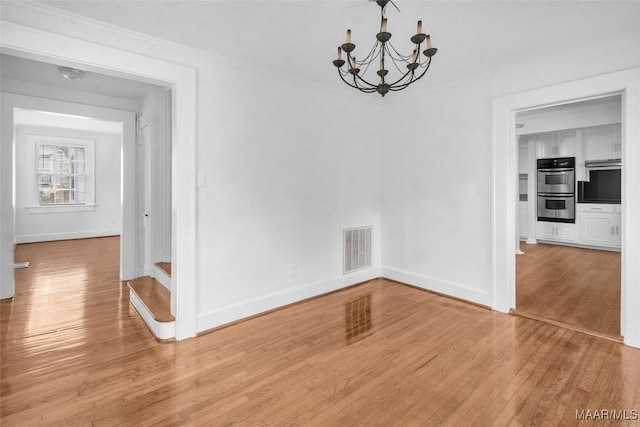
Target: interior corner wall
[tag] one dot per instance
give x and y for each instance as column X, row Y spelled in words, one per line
column 284, row 168
column 437, row 183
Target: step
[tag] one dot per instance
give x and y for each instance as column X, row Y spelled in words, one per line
column 153, row 302
column 163, row 273
column 165, row 267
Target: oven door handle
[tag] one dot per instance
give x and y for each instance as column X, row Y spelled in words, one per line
column 557, row 195
column 557, row 170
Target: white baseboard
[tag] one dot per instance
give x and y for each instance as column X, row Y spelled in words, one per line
column 47, row 237
column 436, row 285
column 233, row 312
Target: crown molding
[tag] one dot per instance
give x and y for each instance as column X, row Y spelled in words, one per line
column 497, row 73
column 50, row 19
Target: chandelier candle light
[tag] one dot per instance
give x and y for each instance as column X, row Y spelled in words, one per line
column 416, row 66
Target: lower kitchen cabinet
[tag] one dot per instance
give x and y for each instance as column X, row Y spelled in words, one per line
column 557, row 232
column 600, row 225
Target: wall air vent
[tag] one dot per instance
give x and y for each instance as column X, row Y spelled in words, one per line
column 357, row 249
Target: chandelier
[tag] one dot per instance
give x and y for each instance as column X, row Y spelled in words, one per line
column 411, row 67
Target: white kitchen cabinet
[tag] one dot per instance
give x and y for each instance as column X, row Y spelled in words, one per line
column 556, row 144
column 566, row 141
column 523, row 220
column 557, row 232
column 603, row 142
column 523, row 157
column 581, row 170
column 600, row 225
column 545, row 145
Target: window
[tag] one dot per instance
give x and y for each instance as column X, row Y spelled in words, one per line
column 62, row 178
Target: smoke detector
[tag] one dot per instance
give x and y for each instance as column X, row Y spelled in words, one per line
column 72, row 73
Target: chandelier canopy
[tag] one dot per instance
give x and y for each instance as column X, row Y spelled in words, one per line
column 411, row 67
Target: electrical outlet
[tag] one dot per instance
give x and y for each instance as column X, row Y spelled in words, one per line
column 293, row 270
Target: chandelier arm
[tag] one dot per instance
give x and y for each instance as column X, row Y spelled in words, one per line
column 345, row 80
column 404, row 85
column 371, row 56
column 367, row 64
column 400, row 56
column 424, row 70
column 368, row 85
column 395, row 63
column 412, row 78
column 398, row 82
column 356, row 78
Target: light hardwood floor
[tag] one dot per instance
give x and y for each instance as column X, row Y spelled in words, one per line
column 74, row 352
column 576, row 286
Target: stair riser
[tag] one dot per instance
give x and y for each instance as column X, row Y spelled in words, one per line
column 163, row 278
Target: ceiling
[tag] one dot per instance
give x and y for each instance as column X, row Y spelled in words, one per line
column 300, row 37
column 12, row 67
column 600, row 110
column 64, row 121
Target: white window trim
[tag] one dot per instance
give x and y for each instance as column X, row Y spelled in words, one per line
column 33, row 199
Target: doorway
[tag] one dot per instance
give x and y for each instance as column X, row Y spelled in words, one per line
column 90, row 56
column 107, row 188
column 505, row 193
column 568, row 269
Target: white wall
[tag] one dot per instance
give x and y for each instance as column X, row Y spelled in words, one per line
column 287, row 168
column 437, row 194
column 103, row 220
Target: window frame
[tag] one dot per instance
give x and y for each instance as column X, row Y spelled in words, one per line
column 33, row 190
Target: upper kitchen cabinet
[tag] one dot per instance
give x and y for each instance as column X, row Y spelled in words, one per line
column 603, row 142
column 561, row 143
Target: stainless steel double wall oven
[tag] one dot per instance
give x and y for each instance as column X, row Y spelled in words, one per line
column 557, row 189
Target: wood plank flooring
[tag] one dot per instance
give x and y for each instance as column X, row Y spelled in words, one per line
column 576, row 286
column 74, row 352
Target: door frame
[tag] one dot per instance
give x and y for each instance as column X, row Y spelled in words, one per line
column 504, row 190
column 32, row 43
